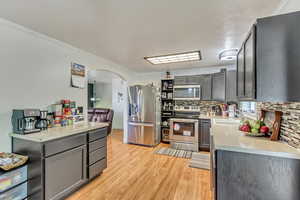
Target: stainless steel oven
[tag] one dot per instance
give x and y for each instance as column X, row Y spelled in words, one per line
column 184, row 134
column 187, row 92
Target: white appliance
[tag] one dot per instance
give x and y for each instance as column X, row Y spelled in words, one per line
column 187, row 92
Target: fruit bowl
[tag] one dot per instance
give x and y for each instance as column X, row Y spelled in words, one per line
column 254, row 128
column 254, row 134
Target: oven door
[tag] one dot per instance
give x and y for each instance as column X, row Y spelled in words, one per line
column 184, row 130
column 187, row 92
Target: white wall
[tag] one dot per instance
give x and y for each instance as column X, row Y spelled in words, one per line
column 288, row 6
column 103, row 91
column 119, row 103
column 35, row 72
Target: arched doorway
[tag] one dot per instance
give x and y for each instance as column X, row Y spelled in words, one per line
column 108, row 90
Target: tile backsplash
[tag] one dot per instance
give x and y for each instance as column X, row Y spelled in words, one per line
column 205, row 106
column 290, row 124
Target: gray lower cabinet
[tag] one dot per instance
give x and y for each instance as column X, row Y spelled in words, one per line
column 64, row 172
column 59, row 167
column 254, row 176
column 204, row 134
column 97, row 159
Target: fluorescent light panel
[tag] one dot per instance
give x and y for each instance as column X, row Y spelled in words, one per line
column 173, row 58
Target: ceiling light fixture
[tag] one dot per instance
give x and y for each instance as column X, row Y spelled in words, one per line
column 228, row 54
column 174, row 58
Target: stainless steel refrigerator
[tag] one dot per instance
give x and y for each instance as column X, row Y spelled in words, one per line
column 144, row 115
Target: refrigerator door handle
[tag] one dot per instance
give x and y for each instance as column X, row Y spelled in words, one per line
column 140, row 124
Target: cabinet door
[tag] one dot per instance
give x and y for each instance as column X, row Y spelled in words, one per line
column 64, row 172
column 219, row 86
column 240, row 73
column 204, row 139
column 250, row 66
column 206, row 83
column 192, row 80
column 180, row 80
column 231, row 86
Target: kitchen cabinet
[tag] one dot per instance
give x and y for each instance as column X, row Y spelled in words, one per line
column 187, row 80
column 240, row 73
column 204, row 134
column 64, row 172
column 231, row 86
column 206, row 87
column 246, row 66
column 254, row 176
column 268, row 61
column 250, row 65
column 219, row 86
column 97, row 151
column 58, row 167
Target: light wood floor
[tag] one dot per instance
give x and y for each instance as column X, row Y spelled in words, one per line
column 135, row 172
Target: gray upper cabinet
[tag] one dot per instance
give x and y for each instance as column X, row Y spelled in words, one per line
column 231, row 86
column 278, row 50
column 180, row 80
column 268, row 62
column 240, row 74
column 250, row 65
column 187, row 80
column 219, row 86
column 246, row 66
column 206, row 86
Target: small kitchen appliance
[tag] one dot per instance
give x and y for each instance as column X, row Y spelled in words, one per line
column 42, row 122
column 24, row 121
column 187, row 92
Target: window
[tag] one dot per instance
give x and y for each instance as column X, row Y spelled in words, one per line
column 248, row 107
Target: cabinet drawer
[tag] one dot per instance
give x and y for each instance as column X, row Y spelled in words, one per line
column 97, row 168
column 17, row 193
column 13, row 178
column 97, row 144
column 64, row 144
column 97, row 134
column 97, row 155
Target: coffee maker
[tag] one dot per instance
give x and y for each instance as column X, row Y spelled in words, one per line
column 42, row 122
column 24, row 121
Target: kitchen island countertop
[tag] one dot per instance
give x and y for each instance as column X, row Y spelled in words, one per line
column 228, row 137
column 59, row 132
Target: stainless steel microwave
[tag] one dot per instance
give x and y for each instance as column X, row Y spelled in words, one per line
column 187, row 92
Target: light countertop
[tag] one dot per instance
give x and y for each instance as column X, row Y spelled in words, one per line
column 59, row 132
column 212, row 117
column 228, row 137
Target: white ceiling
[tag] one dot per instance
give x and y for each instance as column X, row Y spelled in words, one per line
column 126, row 31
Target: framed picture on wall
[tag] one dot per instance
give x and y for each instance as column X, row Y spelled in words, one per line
column 77, row 75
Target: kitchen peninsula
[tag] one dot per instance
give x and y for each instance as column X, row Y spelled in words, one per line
column 265, row 169
column 62, row 159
